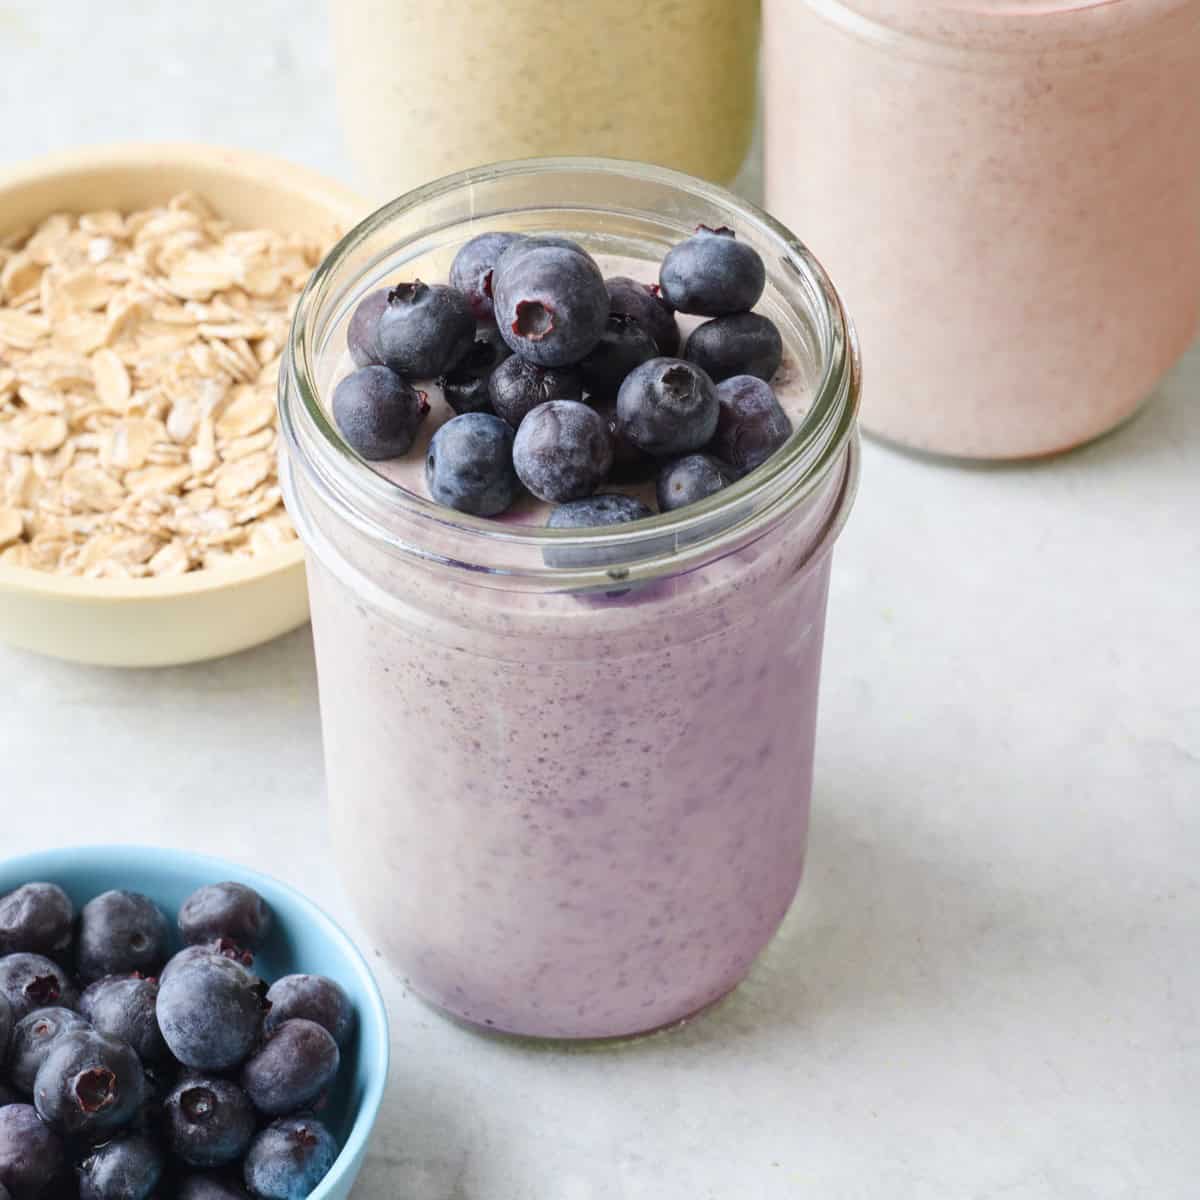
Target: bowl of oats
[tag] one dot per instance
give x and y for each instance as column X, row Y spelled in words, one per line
column 145, row 298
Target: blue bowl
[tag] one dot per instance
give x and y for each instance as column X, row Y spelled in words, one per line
column 303, row 939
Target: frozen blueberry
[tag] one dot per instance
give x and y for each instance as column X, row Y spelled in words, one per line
column 712, row 274
column 36, row 918
column 119, row 933
column 29, row 981
column 629, row 465
column 742, row 344
column 551, row 304
column 469, row 465
column 222, row 947
column 362, row 332
column 32, row 1156
column 667, row 406
column 210, row 1012
column 471, row 270
column 752, row 424
column 129, row 1168
column 294, row 1066
column 562, row 451
column 123, row 1006
column 208, row 1122
column 518, row 386
column 34, row 1038
column 624, row 345
column 592, row 512
column 689, row 479
column 210, row 1187
column 644, row 303
column 88, row 1085
column 315, row 998
column 466, row 387
column 378, row 412
column 425, row 330
column 225, row 910
column 289, row 1158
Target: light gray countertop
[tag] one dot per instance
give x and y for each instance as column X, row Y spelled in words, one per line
column 989, row 987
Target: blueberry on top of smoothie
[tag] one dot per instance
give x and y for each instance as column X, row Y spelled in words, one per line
column 551, row 303
column 712, row 274
column 518, row 386
column 378, row 412
column 644, row 303
column 624, row 345
column 425, row 330
column 630, row 464
column 689, row 479
column 562, row 451
column 471, row 270
column 469, row 465
column 363, row 331
column 667, row 406
column 742, row 344
column 751, row 424
column 466, row 386
column 595, row 512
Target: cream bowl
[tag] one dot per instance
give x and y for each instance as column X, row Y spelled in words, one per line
column 206, row 613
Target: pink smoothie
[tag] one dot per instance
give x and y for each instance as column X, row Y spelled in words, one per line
column 1008, row 194
column 570, row 816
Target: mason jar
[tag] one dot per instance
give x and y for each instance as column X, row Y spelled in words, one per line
column 569, row 772
column 427, row 89
column 1008, row 193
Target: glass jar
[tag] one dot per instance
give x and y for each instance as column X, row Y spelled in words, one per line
column 570, row 800
column 426, row 89
column 1020, row 241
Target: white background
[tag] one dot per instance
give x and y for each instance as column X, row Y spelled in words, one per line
column 989, row 987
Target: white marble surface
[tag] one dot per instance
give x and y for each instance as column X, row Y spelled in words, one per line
column 988, row 989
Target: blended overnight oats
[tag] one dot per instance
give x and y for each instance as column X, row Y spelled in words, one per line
column 568, row 556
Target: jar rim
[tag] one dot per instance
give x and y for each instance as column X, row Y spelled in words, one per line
column 694, row 533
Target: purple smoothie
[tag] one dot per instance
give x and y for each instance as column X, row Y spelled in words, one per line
column 565, row 813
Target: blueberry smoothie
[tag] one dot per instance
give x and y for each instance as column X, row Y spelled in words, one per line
column 570, row 774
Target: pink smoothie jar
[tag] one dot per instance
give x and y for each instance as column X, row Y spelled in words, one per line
column 1008, row 193
column 569, row 772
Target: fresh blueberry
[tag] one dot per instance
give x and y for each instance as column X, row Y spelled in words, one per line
column 466, row 387
column 630, row 465
column 208, row 1122
column 123, row 1006
column 471, row 270
column 518, row 386
column 469, row 465
column 32, row 1040
column 712, row 274
column 592, row 512
column 119, row 933
column 624, row 345
column 29, row 981
column 314, row 998
column 295, row 1065
column 129, row 1168
column 289, row 1158
column 562, row 451
column 689, row 479
column 32, row 1156
column 210, row 1012
column 752, row 424
column 378, row 412
column 425, row 330
column 667, row 406
column 742, row 344
column 88, row 1085
column 644, row 303
column 222, row 947
column 225, row 910
column 363, row 330
column 37, row 918
column 210, row 1187
column 551, row 304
